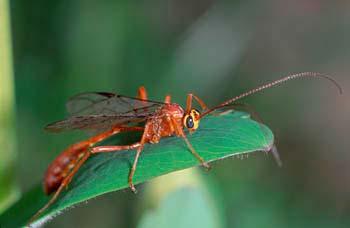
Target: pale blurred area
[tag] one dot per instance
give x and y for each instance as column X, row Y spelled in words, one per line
column 215, row 49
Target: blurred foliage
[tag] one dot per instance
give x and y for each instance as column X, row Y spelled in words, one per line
column 215, row 49
column 182, row 199
column 8, row 190
column 186, row 207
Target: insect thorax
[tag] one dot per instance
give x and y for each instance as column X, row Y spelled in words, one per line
column 162, row 123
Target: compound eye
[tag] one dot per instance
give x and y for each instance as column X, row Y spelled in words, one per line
column 189, row 122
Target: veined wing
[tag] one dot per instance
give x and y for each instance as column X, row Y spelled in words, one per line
column 102, row 110
column 98, row 103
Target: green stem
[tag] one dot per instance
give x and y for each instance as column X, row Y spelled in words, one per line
column 8, row 190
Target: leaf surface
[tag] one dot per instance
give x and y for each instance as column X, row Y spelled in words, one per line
column 216, row 138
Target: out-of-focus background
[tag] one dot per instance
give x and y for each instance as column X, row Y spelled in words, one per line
column 215, row 49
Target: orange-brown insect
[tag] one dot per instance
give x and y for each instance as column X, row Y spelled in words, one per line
column 112, row 114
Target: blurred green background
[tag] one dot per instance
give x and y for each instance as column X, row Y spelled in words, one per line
column 215, row 49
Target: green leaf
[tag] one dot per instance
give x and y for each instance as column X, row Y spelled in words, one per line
column 217, row 137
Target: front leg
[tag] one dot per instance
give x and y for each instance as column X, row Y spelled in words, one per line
column 179, row 131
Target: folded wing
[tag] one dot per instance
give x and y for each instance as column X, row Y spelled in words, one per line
column 102, row 110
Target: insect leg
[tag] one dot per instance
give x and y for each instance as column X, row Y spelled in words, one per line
column 180, row 132
column 138, row 146
column 138, row 152
column 189, row 99
column 115, row 130
column 60, row 167
column 133, row 169
column 64, row 184
column 142, row 93
column 82, row 148
column 68, row 179
column 167, row 99
column 106, row 149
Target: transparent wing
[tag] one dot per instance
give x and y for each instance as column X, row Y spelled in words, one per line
column 99, row 111
column 93, row 122
column 98, row 103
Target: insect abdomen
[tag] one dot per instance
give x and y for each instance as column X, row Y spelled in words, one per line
column 62, row 165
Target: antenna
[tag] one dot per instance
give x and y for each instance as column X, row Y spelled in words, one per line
column 275, row 83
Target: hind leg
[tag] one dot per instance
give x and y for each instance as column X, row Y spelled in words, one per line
column 63, row 185
column 85, row 152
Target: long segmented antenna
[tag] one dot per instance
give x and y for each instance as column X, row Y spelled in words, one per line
column 272, row 84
